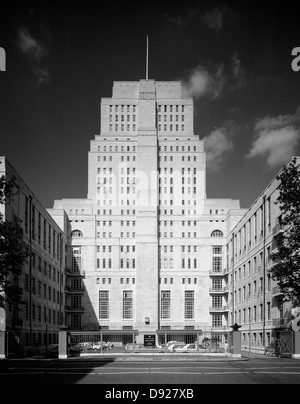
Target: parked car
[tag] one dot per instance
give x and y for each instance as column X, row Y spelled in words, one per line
column 96, row 346
column 190, row 348
column 172, row 347
column 129, row 347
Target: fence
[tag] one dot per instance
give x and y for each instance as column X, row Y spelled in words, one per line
column 268, row 341
column 116, row 342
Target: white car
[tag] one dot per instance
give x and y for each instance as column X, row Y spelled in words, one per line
column 186, row 348
column 176, row 345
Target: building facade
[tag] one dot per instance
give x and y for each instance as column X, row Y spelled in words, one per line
column 148, row 242
column 146, row 250
column 255, row 300
column 39, row 316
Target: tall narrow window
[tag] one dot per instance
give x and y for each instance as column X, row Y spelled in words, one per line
column 189, row 304
column 127, row 304
column 165, row 304
column 104, row 304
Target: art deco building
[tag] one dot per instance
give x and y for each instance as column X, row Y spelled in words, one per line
column 147, row 250
column 148, row 246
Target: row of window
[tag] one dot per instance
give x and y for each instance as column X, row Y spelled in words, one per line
column 133, row 127
column 41, row 229
column 130, row 149
column 122, row 117
column 253, row 314
column 78, row 233
column 49, row 338
column 127, row 305
column 36, row 289
column 252, row 266
column 112, row 149
column 108, row 281
column 171, row 118
column 43, row 316
column 183, row 158
column 51, row 272
column 122, row 108
column 169, row 171
column 170, row 108
column 252, row 231
column 165, row 281
column 123, row 212
column 251, row 290
column 256, row 339
column 121, row 128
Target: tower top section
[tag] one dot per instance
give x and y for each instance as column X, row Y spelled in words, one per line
column 136, row 89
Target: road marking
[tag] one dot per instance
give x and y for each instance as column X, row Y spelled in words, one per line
column 176, row 373
column 22, row 373
column 279, row 373
column 224, row 373
column 72, row 373
column 121, row 373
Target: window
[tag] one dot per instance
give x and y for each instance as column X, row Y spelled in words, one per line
column 76, row 233
column 217, row 302
column 217, row 249
column 165, row 304
column 189, row 304
column 217, row 233
column 104, row 304
column 217, row 320
column 127, row 304
column 217, row 264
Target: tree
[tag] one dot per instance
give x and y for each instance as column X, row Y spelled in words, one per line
column 13, row 250
column 286, row 268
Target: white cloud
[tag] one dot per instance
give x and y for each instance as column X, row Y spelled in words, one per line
column 217, row 146
column 213, row 81
column 200, row 82
column 276, row 138
column 30, row 46
column 35, row 51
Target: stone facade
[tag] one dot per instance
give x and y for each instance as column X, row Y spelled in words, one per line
column 145, row 230
column 42, row 311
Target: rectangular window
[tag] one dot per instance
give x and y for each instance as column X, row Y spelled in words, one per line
column 217, row 249
column 217, row 264
column 127, row 304
column 217, row 302
column 189, row 304
column 104, row 304
column 217, row 320
column 165, row 304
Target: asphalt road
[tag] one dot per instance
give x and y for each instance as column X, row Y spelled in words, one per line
column 150, row 372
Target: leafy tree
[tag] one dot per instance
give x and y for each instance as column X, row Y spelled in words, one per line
column 286, row 268
column 13, row 250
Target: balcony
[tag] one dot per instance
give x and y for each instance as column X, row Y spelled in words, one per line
column 221, row 272
column 70, row 290
column 218, row 309
column 74, row 309
column 220, row 328
column 219, row 290
column 79, row 272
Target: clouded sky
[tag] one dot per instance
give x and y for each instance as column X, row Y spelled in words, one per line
column 233, row 58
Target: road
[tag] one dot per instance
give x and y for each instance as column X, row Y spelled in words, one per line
column 150, row 371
